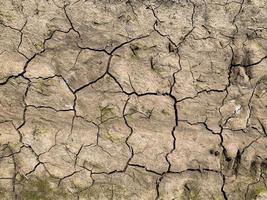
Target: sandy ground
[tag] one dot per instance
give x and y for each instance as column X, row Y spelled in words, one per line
column 133, row 100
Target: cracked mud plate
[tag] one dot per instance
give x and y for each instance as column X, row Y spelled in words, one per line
column 133, row 99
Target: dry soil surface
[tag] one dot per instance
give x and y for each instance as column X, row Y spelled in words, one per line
column 133, row 100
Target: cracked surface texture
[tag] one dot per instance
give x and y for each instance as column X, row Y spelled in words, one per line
column 133, row 99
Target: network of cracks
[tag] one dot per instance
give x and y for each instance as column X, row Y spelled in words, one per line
column 117, row 99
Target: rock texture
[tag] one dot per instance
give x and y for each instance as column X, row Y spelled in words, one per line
column 133, row 99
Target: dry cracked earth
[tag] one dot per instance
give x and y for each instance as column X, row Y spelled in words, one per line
column 138, row 100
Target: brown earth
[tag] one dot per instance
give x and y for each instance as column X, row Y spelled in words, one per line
column 132, row 99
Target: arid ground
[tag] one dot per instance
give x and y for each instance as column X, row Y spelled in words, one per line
column 133, row 99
